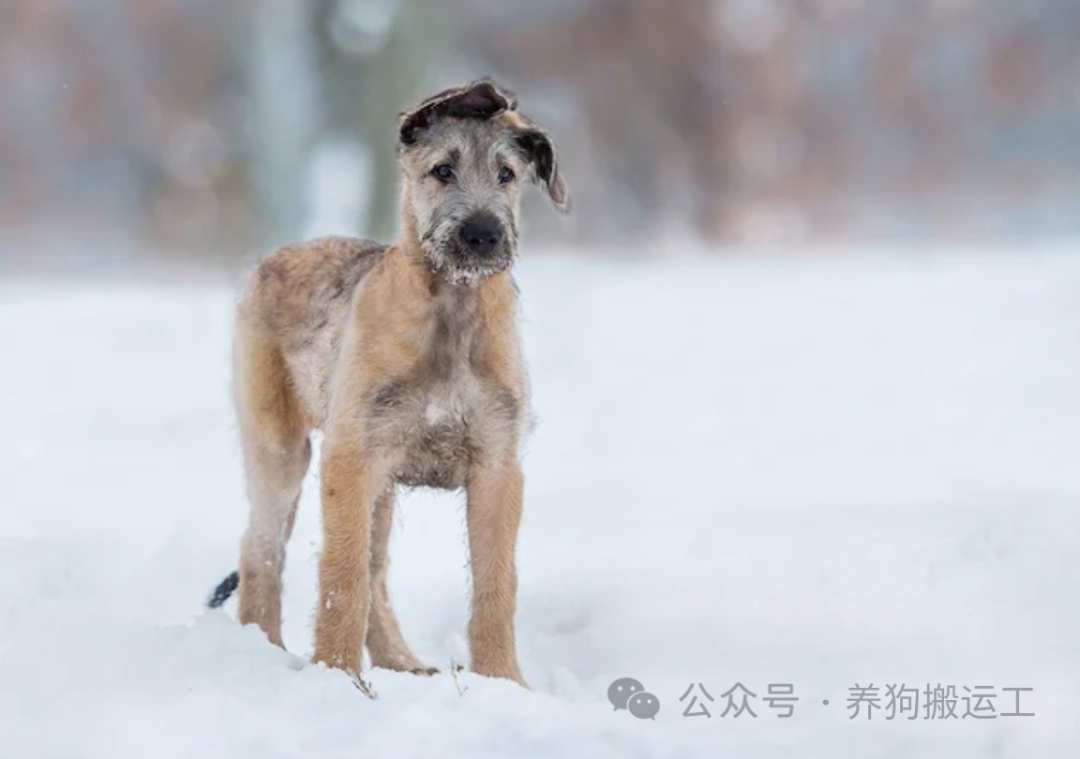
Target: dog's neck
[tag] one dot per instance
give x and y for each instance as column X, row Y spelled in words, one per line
column 455, row 310
column 409, row 240
column 472, row 326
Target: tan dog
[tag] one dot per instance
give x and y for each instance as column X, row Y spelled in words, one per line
column 407, row 359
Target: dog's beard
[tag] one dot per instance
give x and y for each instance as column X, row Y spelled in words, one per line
column 458, row 265
column 466, row 269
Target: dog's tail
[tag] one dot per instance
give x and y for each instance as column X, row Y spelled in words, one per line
column 222, row 592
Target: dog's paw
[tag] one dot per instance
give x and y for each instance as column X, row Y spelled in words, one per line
column 402, row 663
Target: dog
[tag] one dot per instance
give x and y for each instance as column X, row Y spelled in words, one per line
column 407, row 358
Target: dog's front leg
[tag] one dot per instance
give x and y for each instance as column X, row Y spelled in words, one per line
column 351, row 480
column 494, row 513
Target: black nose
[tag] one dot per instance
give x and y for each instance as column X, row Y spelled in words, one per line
column 481, row 233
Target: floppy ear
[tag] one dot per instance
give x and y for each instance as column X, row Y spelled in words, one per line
column 482, row 99
column 540, row 150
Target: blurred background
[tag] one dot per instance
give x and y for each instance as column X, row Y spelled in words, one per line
column 197, row 132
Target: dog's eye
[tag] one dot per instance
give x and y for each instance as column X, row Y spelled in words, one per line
column 505, row 174
column 443, row 171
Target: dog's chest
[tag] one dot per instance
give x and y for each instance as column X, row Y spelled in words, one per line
column 433, row 430
column 436, row 420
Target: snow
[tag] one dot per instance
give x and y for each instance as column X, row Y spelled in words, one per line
column 827, row 473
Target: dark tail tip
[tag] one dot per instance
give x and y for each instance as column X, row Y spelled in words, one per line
column 222, row 592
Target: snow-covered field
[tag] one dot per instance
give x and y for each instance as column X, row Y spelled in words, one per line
column 824, row 474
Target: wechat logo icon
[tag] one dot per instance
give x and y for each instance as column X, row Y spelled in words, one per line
column 629, row 694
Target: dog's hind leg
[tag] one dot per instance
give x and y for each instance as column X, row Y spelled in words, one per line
column 228, row 586
column 277, row 453
column 385, row 643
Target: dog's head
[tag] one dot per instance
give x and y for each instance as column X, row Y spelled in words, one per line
column 465, row 153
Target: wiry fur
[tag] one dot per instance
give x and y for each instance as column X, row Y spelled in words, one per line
column 407, row 358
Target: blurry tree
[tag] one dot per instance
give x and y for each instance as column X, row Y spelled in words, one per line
column 324, row 70
column 395, row 76
column 284, row 113
column 374, row 56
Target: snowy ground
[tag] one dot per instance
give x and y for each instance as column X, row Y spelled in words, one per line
column 826, row 474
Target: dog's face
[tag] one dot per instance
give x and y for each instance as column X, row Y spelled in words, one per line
column 465, row 154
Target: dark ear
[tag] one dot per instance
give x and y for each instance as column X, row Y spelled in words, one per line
column 537, row 145
column 482, row 99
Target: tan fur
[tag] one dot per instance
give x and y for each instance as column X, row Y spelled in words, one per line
column 413, row 372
